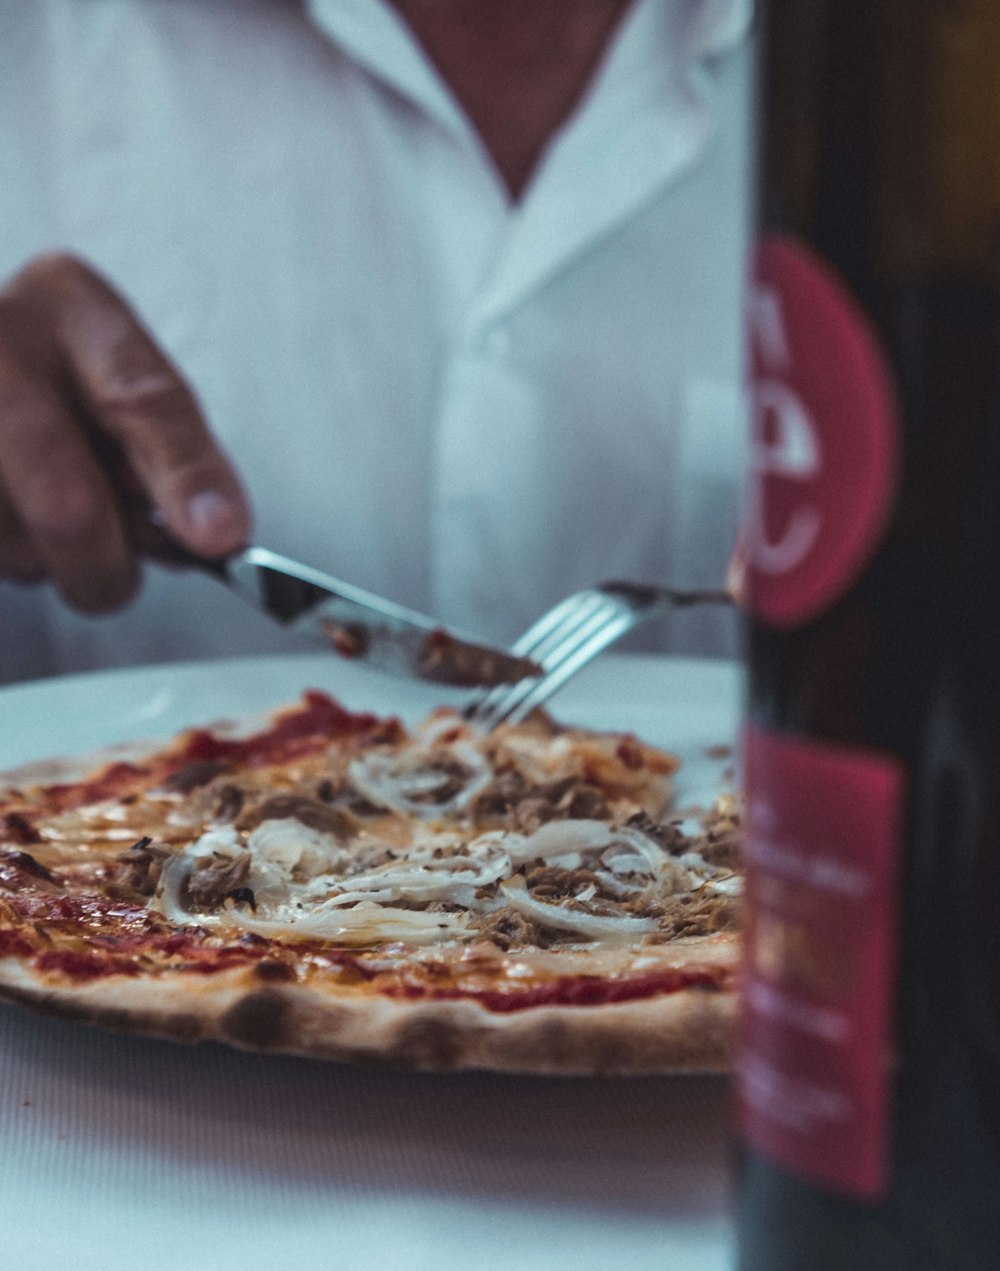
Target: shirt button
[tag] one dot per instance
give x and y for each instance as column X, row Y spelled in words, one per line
column 495, row 341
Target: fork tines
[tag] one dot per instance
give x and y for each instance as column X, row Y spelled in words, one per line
column 561, row 642
column 571, row 634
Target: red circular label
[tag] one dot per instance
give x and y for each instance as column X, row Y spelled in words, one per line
column 824, row 439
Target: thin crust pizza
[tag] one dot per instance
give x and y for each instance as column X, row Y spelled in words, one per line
column 338, row 885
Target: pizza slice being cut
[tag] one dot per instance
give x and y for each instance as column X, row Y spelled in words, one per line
column 335, row 884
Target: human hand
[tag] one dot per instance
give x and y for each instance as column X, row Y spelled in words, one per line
column 95, row 421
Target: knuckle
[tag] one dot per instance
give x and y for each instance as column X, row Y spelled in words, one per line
column 131, row 383
column 137, row 393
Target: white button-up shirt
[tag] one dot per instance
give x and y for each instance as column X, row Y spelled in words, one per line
column 471, row 406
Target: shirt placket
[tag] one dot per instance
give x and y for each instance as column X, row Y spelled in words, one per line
column 638, row 131
column 644, row 123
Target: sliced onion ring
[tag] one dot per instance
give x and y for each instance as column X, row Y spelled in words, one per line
column 365, row 924
column 593, row 926
column 559, row 838
column 167, row 897
column 384, row 776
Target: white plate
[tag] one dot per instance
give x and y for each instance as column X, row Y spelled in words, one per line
column 120, row 1152
column 690, row 706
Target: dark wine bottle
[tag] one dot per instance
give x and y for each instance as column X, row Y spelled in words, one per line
column 869, row 1057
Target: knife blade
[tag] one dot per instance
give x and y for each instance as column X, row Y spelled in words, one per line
column 359, row 625
column 354, row 623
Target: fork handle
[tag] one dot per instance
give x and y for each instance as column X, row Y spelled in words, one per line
column 650, row 594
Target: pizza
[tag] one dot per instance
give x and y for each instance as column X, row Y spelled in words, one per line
column 336, row 884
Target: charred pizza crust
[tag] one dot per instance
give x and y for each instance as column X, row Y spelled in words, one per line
column 121, row 929
column 688, row 1030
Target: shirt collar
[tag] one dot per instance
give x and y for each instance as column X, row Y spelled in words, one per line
column 375, row 37
column 645, row 120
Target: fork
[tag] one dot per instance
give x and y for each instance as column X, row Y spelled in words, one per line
column 573, row 633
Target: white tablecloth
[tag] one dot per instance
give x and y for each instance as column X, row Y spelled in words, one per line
column 126, row 1154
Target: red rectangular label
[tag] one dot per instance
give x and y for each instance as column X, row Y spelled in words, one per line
column 821, row 848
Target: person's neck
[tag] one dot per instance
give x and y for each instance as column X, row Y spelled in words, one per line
column 517, row 67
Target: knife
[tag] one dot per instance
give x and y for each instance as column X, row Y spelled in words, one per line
column 355, row 623
column 352, row 622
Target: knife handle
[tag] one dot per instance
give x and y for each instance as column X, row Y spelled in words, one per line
column 150, row 537
column 143, row 522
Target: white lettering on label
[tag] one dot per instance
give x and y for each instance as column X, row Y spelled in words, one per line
column 797, row 1104
column 768, row 327
column 792, row 451
column 831, row 1025
column 770, row 850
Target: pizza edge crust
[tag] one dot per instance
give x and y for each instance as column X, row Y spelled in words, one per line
column 687, row 1031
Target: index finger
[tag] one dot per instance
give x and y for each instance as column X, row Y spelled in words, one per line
column 128, row 388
